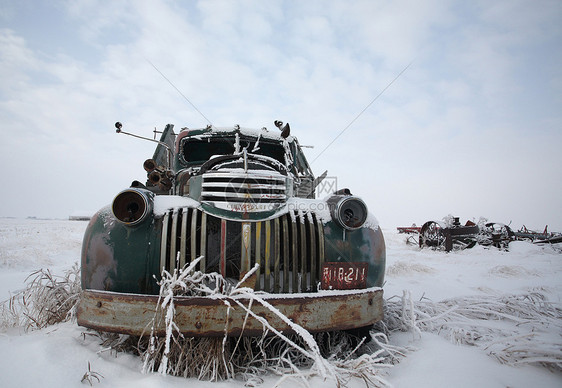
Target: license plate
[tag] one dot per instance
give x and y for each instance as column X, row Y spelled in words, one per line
column 344, row 276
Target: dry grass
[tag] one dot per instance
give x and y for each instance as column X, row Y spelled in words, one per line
column 47, row 299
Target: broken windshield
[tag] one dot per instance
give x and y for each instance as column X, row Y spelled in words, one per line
column 201, row 150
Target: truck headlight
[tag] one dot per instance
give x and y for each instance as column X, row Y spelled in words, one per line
column 131, row 206
column 348, row 211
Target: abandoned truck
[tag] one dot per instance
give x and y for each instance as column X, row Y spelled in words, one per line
column 234, row 202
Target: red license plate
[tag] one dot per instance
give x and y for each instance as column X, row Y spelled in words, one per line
column 344, row 276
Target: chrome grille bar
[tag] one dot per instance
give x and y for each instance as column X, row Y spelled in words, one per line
column 223, row 248
column 193, row 239
column 313, row 257
column 294, row 253
column 321, row 258
column 245, row 185
column 164, row 263
column 173, row 240
column 286, row 265
column 203, row 247
column 302, row 253
column 246, row 248
column 267, row 267
column 277, row 262
column 232, row 196
column 183, row 233
column 258, row 256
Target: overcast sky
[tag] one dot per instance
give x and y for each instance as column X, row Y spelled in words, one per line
column 473, row 127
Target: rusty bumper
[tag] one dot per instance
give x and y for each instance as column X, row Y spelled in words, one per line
column 134, row 314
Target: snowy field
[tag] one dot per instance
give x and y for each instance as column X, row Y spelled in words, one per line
column 58, row 356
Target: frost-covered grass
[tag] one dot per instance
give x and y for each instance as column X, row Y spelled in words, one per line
column 47, row 299
column 514, row 329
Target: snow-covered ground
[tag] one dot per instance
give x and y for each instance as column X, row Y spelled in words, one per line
column 59, row 355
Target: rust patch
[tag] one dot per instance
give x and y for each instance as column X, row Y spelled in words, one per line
column 200, row 316
column 103, row 265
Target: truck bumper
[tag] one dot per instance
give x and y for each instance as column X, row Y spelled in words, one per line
column 210, row 316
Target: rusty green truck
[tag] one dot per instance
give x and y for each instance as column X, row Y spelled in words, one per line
column 237, row 200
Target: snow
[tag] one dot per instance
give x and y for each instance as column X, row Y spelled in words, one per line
column 274, row 134
column 439, row 363
column 59, row 355
column 163, row 203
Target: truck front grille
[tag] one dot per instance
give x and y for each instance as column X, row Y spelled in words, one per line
column 288, row 249
column 248, row 192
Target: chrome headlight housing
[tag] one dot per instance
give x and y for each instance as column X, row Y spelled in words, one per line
column 131, row 206
column 348, row 211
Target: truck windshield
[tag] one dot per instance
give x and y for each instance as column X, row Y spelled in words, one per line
column 201, row 150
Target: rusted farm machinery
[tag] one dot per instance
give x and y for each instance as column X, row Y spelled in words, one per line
column 448, row 235
column 452, row 235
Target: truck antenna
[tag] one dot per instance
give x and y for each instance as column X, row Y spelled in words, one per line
column 181, row 94
column 363, row 111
